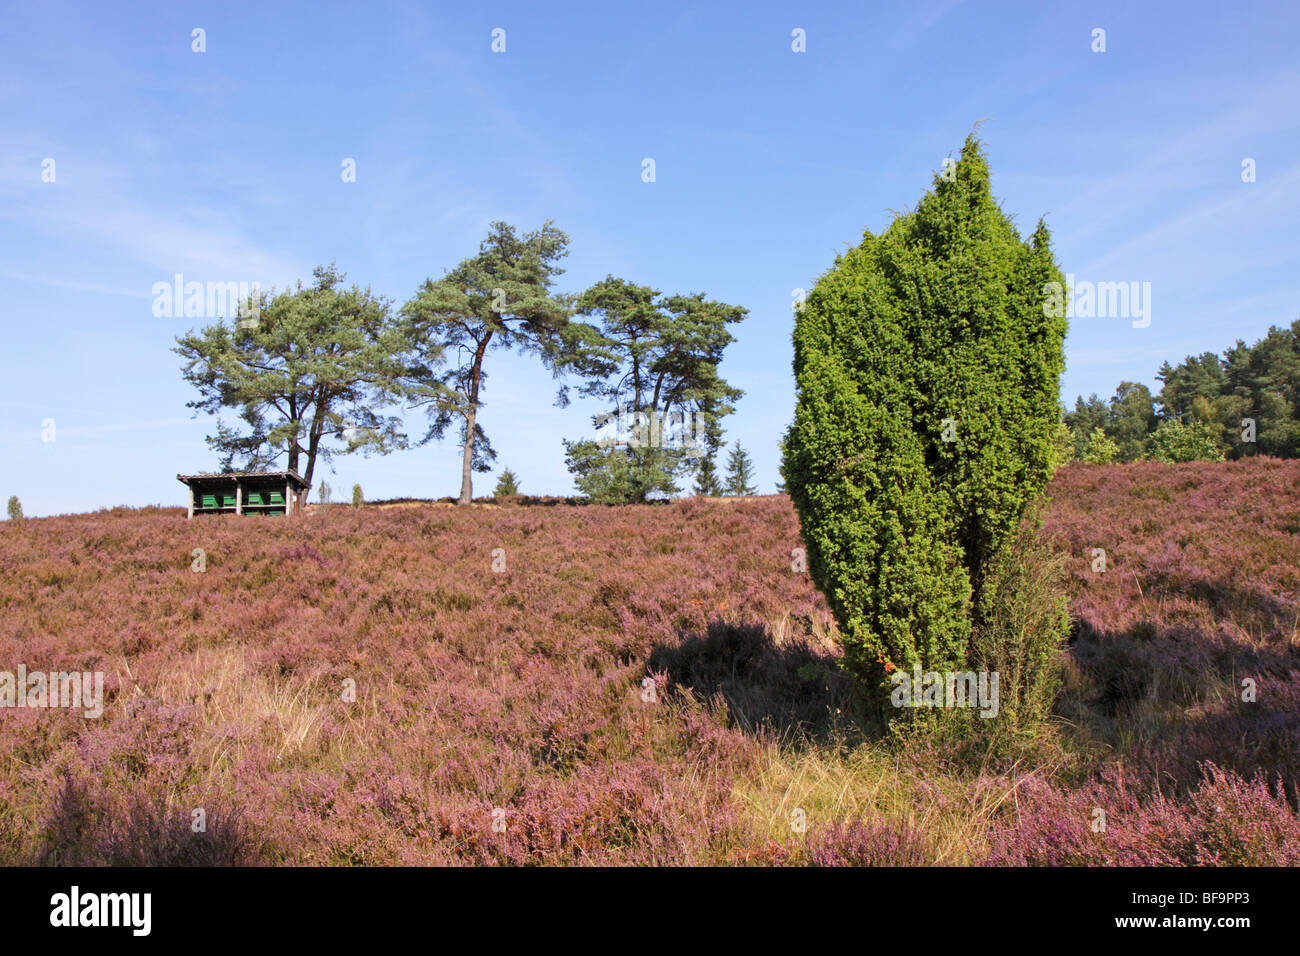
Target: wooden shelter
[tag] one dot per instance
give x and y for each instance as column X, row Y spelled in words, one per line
column 245, row 493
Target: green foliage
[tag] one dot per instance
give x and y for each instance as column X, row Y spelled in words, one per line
column 15, row 508
column 315, row 367
column 358, row 499
column 1197, row 376
column 1177, row 442
column 1099, row 450
column 500, row 299
column 1257, row 384
column 1023, row 640
column 1087, row 416
column 1128, row 420
column 655, row 358
column 740, row 473
column 507, row 485
column 942, row 316
column 706, row 477
column 1132, row 420
column 613, row 476
column 1062, row 446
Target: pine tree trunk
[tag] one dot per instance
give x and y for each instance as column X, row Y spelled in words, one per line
column 467, row 464
column 471, row 415
column 311, row 467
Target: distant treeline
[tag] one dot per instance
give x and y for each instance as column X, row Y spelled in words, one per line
column 1251, row 391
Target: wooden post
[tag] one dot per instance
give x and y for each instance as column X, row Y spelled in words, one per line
column 290, row 506
column 239, row 497
column 190, row 516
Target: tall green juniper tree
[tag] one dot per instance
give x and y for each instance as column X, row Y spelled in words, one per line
column 500, row 298
column 310, row 377
column 927, row 363
column 655, row 359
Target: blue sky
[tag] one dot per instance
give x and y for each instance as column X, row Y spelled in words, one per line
column 225, row 166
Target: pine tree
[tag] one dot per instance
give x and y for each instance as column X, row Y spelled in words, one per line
column 358, row 499
column 655, row 357
column 780, row 464
column 313, row 377
column 500, row 298
column 706, row 478
column 15, row 508
column 1132, row 420
column 740, row 473
column 507, row 485
column 1094, row 413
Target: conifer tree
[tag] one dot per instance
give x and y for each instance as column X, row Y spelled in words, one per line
column 507, row 485
column 706, row 478
column 500, row 298
column 310, row 377
column 927, row 363
column 655, row 358
column 740, row 473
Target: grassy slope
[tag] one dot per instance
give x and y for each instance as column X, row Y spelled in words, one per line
column 523, row 689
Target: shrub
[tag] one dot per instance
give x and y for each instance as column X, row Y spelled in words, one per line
column 861, row 843
column 1023, row 639
column 1176, row 442
column 15, row 508
column 88, row 825
column 358, row 499
column 621, row 476
column 928, row 367
column 325, row 492
column 1100, row 450
column 1062, row 447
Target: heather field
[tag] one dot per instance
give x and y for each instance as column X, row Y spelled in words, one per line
column 499, row 656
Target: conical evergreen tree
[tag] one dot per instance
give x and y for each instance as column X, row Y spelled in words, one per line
column 706, row 478
column 740, row 473
column 507, row 485
column 927, row 362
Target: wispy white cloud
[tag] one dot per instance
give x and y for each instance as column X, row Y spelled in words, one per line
column 1234, row 207
column 1261, row 110
column 62, row 282
column 92, row 203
